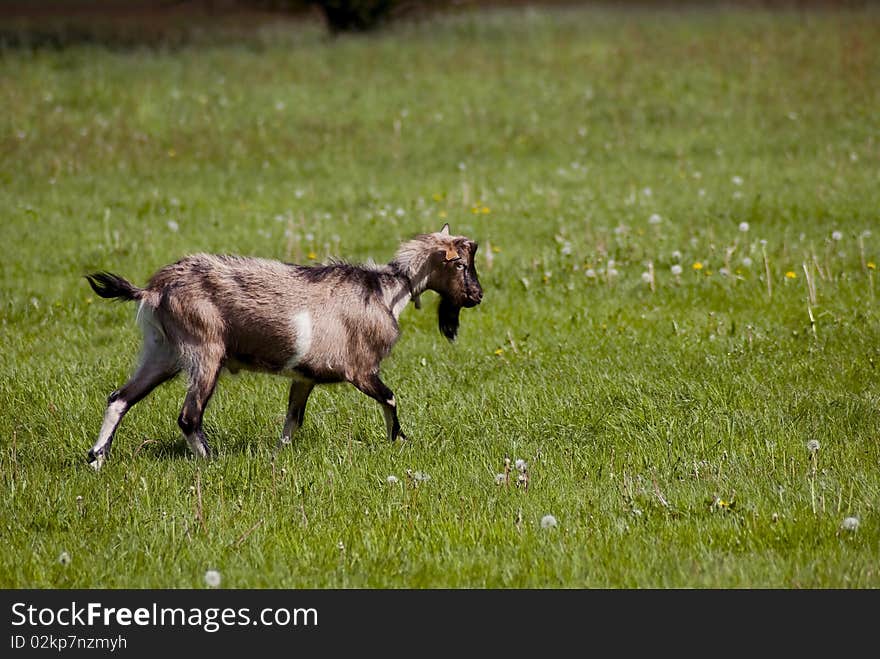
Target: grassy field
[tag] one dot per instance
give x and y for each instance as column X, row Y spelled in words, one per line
column 678, row 217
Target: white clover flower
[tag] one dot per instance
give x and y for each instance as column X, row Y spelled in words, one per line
column 747, row 262
column 500, row 479
column 64, row 558
column 548, row 522
column 391, row 480
column 676, row 269
column 744, row 226
column 655, row 219
column 850, row 524
column 813, row 445
column 521, row 464
column 836, row 235
column 212, row 578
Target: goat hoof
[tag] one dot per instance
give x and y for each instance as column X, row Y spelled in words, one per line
column 96, row 460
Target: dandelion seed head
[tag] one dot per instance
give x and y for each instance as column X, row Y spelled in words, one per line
column 589, row 272
column 836, row 235
column 744, row 226
column 499, row 479
column 391, row 480
column 850, row 524
column 655, row 219
column 676, row 269
column 212, row 578
column 64, row 558
column 747, row 262
column 173, row 226
column 813, row 445
column 548, row 522
column 737, row 180
column 521, row 464
column 647, row 278
column 676, row 255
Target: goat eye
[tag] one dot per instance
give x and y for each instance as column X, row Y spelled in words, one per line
column 459, row 266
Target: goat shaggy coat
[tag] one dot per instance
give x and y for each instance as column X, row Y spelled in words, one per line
column 315, row 324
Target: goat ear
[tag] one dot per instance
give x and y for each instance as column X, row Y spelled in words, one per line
column 447, row 315
column 445, row 230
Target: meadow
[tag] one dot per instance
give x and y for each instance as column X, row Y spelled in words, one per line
column 678, row 219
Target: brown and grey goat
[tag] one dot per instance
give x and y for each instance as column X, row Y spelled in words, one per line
column 315, row 324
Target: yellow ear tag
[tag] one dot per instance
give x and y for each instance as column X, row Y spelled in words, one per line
column 451, row 255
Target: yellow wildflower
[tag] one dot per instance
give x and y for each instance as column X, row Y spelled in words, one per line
column 499, row 352
column 312, row 255
column 871, row 265
column 791, row 275
column 697, row 266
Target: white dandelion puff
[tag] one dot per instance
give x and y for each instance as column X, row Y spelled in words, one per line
column 548, row 522
column 747, row 262
column 655, row 219
column 813, row 445
column 744, row 226
column 737, row 180
column 647, row 277
column 64, row 558
column 676, row 255
column 836, row 235
column 850, row 524
column 212, row 578
column 173, row 226
column 500, row 479
column 521, row 465
column 589, row 272
column 676, row 269
column 391, row 480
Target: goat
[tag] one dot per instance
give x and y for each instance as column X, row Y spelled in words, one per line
column 315, row 324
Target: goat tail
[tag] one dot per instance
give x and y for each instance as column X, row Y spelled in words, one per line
column 110, row 286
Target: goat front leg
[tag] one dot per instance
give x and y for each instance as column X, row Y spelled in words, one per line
column 296, row 409
column 376, row 389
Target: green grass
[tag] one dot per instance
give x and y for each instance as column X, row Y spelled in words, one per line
column 635, row 409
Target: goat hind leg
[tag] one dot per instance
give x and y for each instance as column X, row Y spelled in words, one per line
column 149, row 375
column 202, row 383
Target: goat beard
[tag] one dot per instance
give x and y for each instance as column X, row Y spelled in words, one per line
column 447, row 315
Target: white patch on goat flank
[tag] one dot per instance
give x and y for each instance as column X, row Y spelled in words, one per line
column 301, row 324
